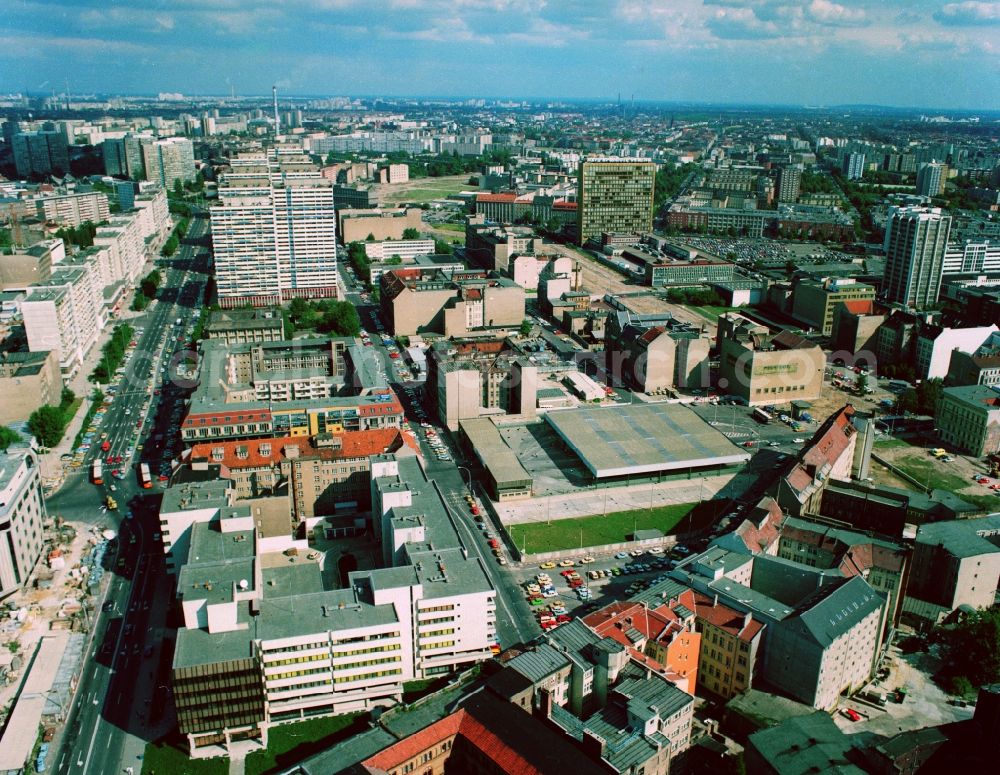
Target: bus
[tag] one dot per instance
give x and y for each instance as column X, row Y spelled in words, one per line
column 761, row 416
column 97, row 472
column 144, row 476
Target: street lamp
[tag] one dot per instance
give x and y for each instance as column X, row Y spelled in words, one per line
column 469, row 475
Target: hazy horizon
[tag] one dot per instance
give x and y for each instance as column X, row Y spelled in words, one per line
column 905, row 54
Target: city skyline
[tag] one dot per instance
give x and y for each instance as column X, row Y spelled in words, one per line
column 920, row 54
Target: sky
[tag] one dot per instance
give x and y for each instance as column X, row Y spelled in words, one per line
column 910, row 53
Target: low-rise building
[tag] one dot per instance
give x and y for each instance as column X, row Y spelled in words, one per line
column 968, row 418
column 468, row 378
column 955, row 564
column 814, row 301
column 381, row 224
column 28, row 381
column 765, row 368
column 419, row 300
column 729, row 649
column 268, row 636
column 22, row 512
column 666, row 271
column 665, row 634
column 240, row 326
column 655, row 352
column 319, row 475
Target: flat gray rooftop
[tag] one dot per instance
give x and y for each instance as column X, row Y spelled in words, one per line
column 642, row 438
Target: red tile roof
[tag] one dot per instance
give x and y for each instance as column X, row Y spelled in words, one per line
column 725, row 618
column 354, row 444
column 409, row 747
column 860, row 307
column 496, row 197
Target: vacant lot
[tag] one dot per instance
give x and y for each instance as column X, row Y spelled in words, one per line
column 597, row 530
column 423, row 190
column 917, row 462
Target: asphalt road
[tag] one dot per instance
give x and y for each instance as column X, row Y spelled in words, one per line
column 120, row 686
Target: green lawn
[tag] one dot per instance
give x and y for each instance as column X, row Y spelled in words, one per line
column 165, row 757
column 428, row 190
column 928, row 472
column 600, row 529
column 713, row 313
column 890, row 443
column 450, row 227
column 289, row 743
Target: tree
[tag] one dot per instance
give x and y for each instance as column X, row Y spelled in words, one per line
column 8, row 437
column 443, row 248
column 170, row 246
column 970, row 648
column 928, row 395
column 47, row 424
column 907, row 402
column 411, row 233
column 862, row 384
column 526, row 327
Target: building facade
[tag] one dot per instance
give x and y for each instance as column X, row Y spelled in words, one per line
column 22, row 512
column 814, row 302
column 916, row 239
column 968, row 418
column 28, row 381
column 168, row 160
column 274, row 235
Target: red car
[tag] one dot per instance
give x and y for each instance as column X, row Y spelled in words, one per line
column 853, row 715
column 567, row 572
column 562, row 619
column 110, row 459
column 494, row 544
column 983, row 480
column 748, row 444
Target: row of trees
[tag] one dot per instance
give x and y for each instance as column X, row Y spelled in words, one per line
column 112, row 354
column 82, row 236
column 48, row 423
column 698, row 297
column 668, row 183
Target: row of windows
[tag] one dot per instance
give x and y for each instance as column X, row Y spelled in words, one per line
column 367, row 676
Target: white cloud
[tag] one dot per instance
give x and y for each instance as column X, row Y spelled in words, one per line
column 826, row 12
column 971, row 13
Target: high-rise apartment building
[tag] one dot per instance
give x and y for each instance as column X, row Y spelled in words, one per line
column 854, row 166
column 930, row 179
column 789, row 180
column 275, row 236
column 40, row 153
column 123, row 157
column 168, row 160
column 615, row 196
column 915, row 242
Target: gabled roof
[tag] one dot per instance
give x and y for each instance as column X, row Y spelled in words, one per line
column 834, row 610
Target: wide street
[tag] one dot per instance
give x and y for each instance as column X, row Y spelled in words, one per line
column 120, row 700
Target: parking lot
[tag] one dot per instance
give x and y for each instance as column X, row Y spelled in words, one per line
column 576, row 589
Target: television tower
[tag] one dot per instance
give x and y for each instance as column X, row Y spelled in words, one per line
column 274, row 94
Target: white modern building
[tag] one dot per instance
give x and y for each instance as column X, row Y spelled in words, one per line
column 74, row 209
column 22, row 511
column 972, row 258
column 265, row 616
column 406, row 249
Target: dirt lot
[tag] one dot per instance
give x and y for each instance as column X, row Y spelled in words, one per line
column 926, row 704
column 424, row 189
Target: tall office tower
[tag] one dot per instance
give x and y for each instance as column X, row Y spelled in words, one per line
column 930, row 179
column 168, row 160
column 854, row 166
column 277, row 122
column 274, row 237
column 123, row 157
column 615, row 195
column 915, row 242
column 40, row 153
column 207, row 125
column 789, row 179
